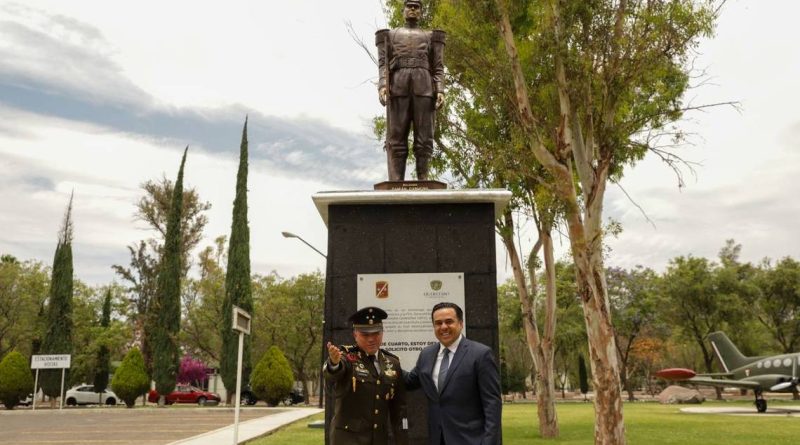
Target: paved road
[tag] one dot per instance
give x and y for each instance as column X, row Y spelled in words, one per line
column 116, row 426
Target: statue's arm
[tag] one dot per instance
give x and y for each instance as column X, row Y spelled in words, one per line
column 437, row 64
column 382, row 42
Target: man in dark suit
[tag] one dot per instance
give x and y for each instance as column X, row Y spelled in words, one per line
column 462, row 383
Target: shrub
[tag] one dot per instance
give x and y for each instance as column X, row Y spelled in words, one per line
column 15, row 379
column 131, row 380
column 272, row 380
column 192, row 371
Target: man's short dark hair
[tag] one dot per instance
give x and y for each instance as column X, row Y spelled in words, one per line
column 445, row 305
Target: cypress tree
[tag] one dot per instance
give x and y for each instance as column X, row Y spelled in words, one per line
column 237, row 279
column 102, row 366
column 583, row 376
column 167, row 298
column 58, row 314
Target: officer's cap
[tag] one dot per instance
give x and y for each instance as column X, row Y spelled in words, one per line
column 369, row 319
column 416, row 2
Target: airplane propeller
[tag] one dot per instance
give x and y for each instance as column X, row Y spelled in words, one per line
column 789, row 383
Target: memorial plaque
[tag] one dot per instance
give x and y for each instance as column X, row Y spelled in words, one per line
column 408, row 299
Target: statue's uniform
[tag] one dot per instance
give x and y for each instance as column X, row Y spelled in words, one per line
column 415, row 76
column 366, row 399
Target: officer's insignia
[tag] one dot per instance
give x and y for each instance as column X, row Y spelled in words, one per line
column 382, row 289
column 389, row 371
column 436, row 284
column 351, row 357
column 361, row 370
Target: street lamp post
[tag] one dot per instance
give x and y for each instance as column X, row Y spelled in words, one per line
column 322, row 349
column 292, row 235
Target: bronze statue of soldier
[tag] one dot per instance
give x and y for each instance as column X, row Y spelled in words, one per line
column 411, row 86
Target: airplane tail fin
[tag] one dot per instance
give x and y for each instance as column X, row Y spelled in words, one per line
column 727, row 353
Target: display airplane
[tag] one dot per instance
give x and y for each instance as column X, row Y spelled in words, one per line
column 774, row 373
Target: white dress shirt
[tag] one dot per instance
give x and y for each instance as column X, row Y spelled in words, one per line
column 453, row 347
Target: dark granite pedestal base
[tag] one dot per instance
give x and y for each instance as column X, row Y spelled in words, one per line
column 411, row 232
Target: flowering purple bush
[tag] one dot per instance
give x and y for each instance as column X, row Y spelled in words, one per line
column 192, row 370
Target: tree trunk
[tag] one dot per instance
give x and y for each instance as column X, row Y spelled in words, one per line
column 623, row 377
column 306, row 393
column 609, row 423
column 541, row 349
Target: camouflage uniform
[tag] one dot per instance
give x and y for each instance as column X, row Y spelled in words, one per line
column 366, row 400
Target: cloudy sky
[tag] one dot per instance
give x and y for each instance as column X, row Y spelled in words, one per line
column 97, row 97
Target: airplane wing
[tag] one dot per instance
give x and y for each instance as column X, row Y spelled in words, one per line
column 724, row 383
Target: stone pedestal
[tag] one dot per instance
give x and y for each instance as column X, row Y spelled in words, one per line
column 411, row 232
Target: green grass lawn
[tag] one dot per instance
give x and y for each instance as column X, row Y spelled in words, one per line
column 646, row 423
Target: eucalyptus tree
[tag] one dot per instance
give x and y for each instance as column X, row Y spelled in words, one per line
column 614, row 72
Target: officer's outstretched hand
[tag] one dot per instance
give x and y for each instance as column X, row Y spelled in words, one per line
column 382, row 96
column 334, row 353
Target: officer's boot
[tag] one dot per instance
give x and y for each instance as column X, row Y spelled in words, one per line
column 396, row 157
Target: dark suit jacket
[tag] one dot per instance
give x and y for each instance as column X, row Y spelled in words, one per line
column 467, row 409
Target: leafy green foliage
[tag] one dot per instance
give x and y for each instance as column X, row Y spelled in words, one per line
column 633, row 295
column 777, row 301
column 272, row 378
column 89, row 336
column 58, row 315
column 515, row 357
column 200, row 331
column 238, row 290
column 167, row 303
column 288, row 314
column 23, row 289
column 15, row 379
column 130, row 380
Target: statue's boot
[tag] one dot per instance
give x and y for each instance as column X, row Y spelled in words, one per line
column 396, row 157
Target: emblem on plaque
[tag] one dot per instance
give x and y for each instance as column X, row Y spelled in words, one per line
column 382, row 289
column 436, row 284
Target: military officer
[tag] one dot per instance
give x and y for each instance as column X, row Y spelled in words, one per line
column 411, row 86
column 368, row 386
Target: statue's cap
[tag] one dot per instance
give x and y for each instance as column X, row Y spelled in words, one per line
column 368, row 319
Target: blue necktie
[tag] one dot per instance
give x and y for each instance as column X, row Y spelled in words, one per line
column 443, row 369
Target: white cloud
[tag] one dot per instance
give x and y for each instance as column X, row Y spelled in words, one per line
column 159, row 75
column 105, row 171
